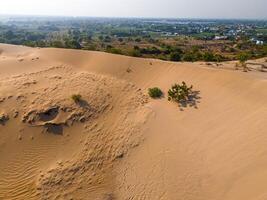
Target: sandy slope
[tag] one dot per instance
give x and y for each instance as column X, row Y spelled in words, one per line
column 118, row 144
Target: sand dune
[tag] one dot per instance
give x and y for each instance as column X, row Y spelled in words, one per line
column 116, row 143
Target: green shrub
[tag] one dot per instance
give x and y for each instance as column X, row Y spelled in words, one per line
column 135, row 53
column 190, row 57
column 243, row 57
column 155, row 92
column 76, row 98
column 209, row 57
column 113, row 50
column 175, row 56
column 179, row 93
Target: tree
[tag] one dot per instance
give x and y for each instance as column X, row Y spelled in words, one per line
column 72, row 44
column 57, row 44
column 9, row 34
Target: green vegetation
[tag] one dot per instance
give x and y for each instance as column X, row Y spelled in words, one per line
column 190, row 57
column 135, row 52
column 114, row 50
column 76, row 98
column 210, row 57
column 243, row 57
column 180, row 92
column 261, row 30
column 204, row 35
column 175, row 40
column 175, row 56
column 155, row 92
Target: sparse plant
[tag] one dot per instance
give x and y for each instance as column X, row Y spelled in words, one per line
column 243, row 57
column 128, row 70
column 76, row 97
column 155, row 92
column 180, row 92
column 236, row 66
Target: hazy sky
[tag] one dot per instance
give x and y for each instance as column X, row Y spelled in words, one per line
column 139, row 8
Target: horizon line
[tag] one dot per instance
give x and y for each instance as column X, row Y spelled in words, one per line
column 130, row 17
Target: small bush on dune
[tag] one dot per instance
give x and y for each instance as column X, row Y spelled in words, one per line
column 243, row 57
column 76, row 98
column 155, row 92
column 180, row 93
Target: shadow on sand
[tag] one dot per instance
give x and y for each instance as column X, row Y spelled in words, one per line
column 84, row 104
column 56, row 129
column 193, row 100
